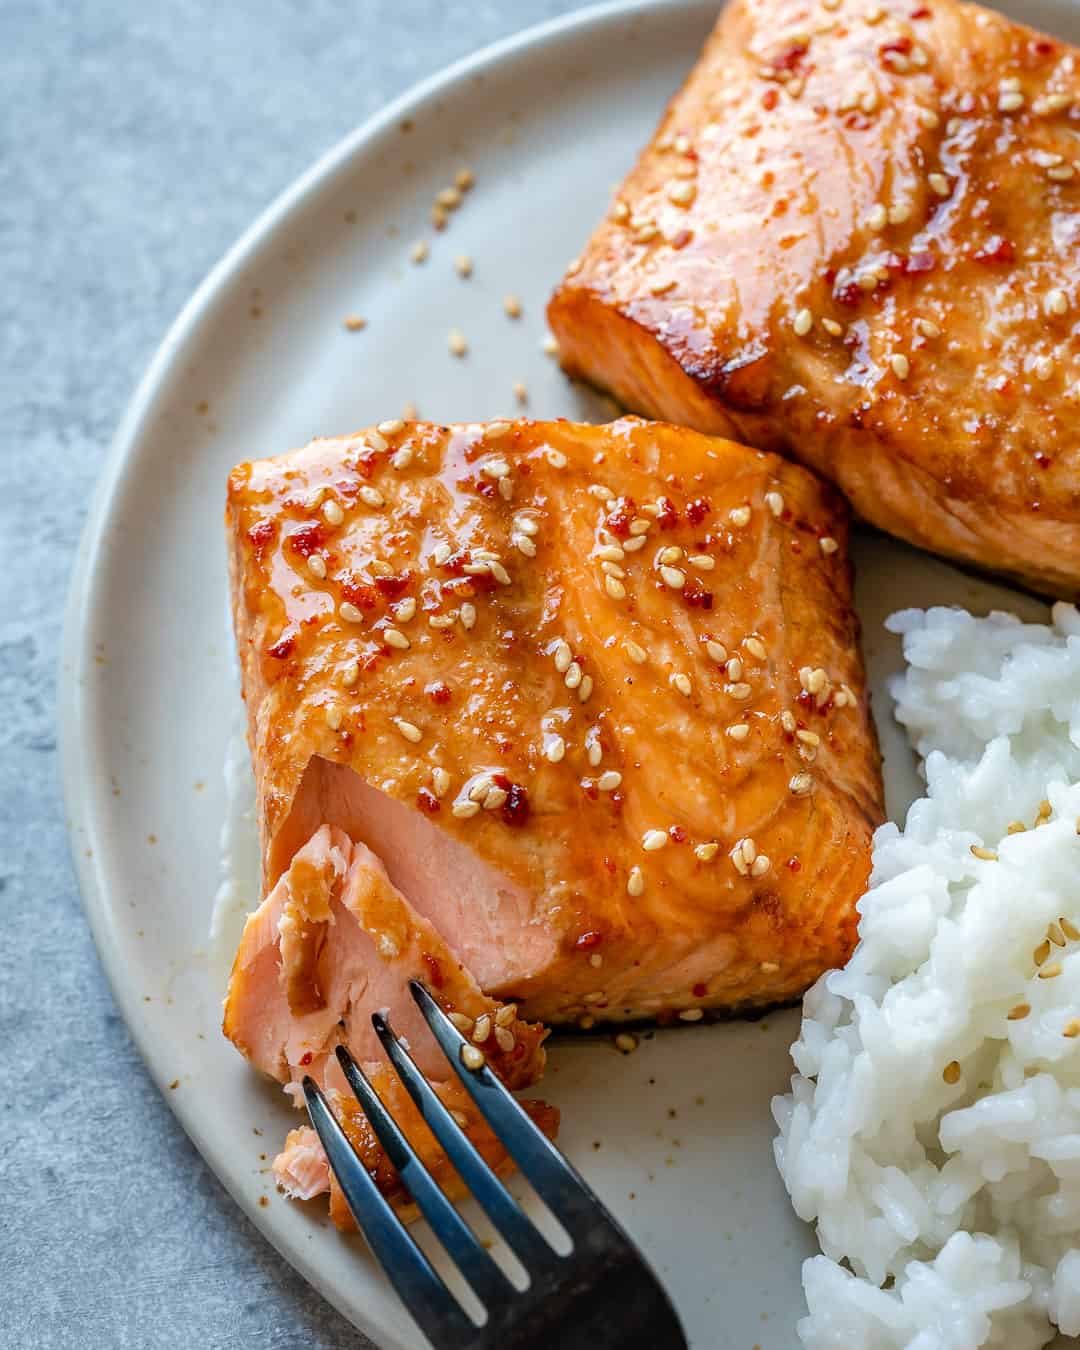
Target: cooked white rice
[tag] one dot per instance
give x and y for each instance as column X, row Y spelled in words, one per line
column 957, row 1206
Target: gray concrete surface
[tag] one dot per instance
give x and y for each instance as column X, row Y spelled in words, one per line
column 137, row 139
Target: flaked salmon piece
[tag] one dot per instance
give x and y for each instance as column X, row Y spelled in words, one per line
column 852, row 239
column 332, row 943
column 594, row 696
column 302, row 1172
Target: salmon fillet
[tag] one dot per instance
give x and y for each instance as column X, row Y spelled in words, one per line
column 853, row 240
column 592, row 695
column 331, row 943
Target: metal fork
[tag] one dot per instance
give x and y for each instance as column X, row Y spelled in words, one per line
column 598, row 1296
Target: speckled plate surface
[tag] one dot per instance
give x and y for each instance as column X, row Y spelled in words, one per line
column 676, row 1138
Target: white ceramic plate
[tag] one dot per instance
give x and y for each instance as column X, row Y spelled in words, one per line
column 677, row 1138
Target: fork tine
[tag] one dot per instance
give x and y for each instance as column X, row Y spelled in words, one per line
column 566, row 1194
column 439, row 1314
column 489, row 1282
column 499, row 1205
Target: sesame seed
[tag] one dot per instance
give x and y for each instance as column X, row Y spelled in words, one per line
column 405, row 610
column 614, row 588
column 653, row 840
column 1050, row 972
column 928, row 119
column 317, row 565
column 702, row 562
column 901, row 366
column 504, row 1039
column 661, row 286
column 464, row 178
column 371, row 496
column 495, row 468
column 332, row 512
column 878, row 218
column 787, row 719
column 393, row 637
column 448, row 198
column 1010, row 101
column 472, row 1058
column 463, row 1023
column 572, row 677
column 524, row 544
column 831, row 327
column 635, row 882
column 681, row 191
column 1061, row 174
column 640, row 527
column 1044, row 368
column 494, row 798
column 951, row 1072
column 465, row 810
column 550, row 346
column 983, row 854
column 756, row 648
column 441, row 620
column 636, row 653
column 738, row 731
column 587, row 1022
column 350, row 673
column 1056, row 936
column 456, row 342
column 499, row 572
column 671, row 576
column 333, row 716
column 1041, row 952
column 1071, row 1028
column 740, row 516
column 620, row 212
column 691, row 1015
column 409, row 730
column 828, row 545
column 349, row 612
column 439, row 216
column 1056, row 303
column 760, row 865
column 1018, row 1013
column 717, row 651
column 706, row 852
column 512, row 307
column 463, row 265
column 802, row 323
column 419, row 252
column 775, row 502
column 563, row 656
column 739, row 691
column 440, row 782
column 609, row 780
column 682, row 683
column 585, row 690
column 521, row 394
column 354, row 323
column 555, row 749
column 1070, row 930
column 939, row 185
column 626, row 1043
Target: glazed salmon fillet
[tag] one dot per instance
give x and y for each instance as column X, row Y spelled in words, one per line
column 331, row 943
column 853, row 239
column 591, row 696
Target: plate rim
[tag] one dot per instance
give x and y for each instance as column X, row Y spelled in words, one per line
column 83, row 822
